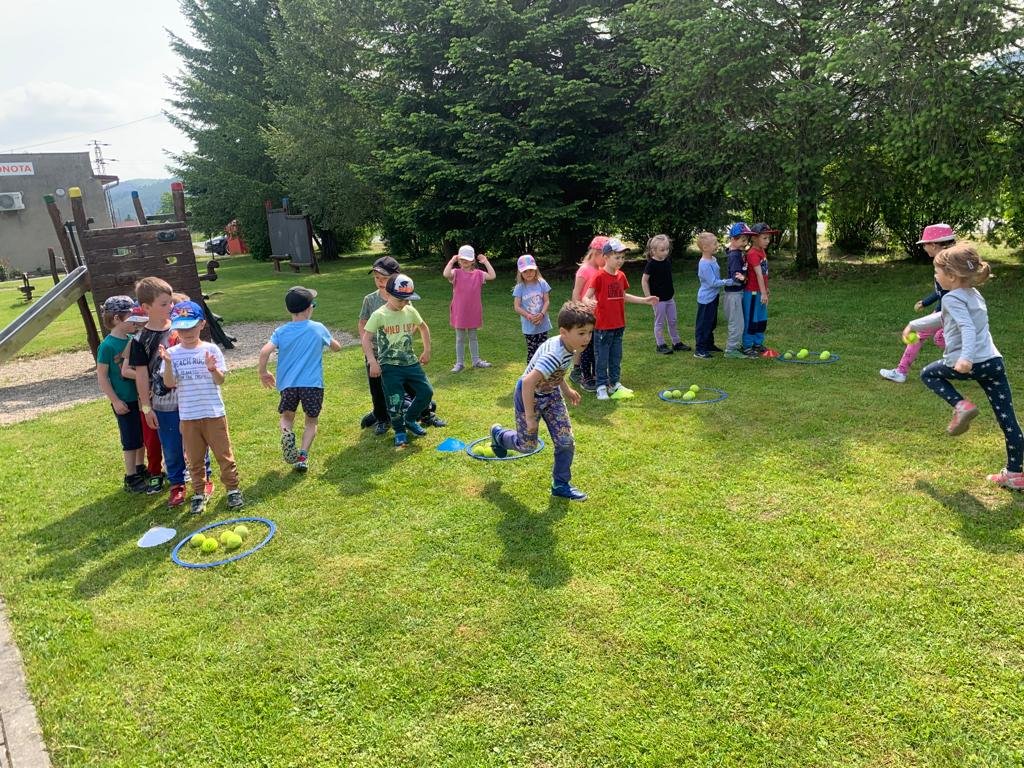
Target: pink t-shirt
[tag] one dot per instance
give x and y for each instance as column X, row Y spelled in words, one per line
column 467, row 310
column 587, row 272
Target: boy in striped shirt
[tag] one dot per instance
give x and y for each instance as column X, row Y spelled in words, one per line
column 197, row 368
column 539, row 395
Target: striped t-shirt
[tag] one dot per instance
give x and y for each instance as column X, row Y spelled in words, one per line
column 552, row 359
column 198, row 394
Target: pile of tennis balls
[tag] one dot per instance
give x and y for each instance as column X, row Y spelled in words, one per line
column 230, row 539
column 483, row 449
column 804, row 353
column 678, row 394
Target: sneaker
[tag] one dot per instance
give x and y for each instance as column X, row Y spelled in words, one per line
column 401, row 439
column 235, row 500
column 576, row 377
column 457, row 367
column 496, row 445
column 381, row 428
column 1011, row 480
column 135, row 483
column 481, row 364
column 735, row 354
column 368, row 421
column 702, row 355
column 892, row 375
column 155, row 484
column 759, row 348
column 303, row 463
column 588, row 385
column 681, row 346
column 567, row 491
column 716, row 348
column 432, row 420
column 963, row 415
column 415, row 428
column 198, row 505
column 602, row 392
column 177, row 496
column 141, row 470
column 288, row 450
column 663, row 349
column 208, row 488
column 750, row 352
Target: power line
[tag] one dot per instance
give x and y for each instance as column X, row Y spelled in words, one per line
column 83, row 135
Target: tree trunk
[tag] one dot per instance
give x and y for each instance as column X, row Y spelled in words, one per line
column 808, row 196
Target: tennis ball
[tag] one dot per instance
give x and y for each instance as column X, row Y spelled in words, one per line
column 234, row 541
column 225, row 535
column 486, row 451
column 788, row 356
column 802, row 354
column 912, row 338
column 694, row 387
column 197, row 540
column 675, row 394
column 242, row 532
column 825, row 355
column 209, row 545
column 689, row 394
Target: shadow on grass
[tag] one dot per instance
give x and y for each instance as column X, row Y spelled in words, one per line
column 354, row 468
column 983, row 528
column 529, row 542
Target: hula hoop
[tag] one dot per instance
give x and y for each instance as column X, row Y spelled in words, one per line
column 722, row 394
column 513, row 455
column 834, row 358
column 239, row 556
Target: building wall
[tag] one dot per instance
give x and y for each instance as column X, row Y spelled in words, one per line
column 25, row 235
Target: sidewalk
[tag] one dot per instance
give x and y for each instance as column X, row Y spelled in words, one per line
column 21, row 740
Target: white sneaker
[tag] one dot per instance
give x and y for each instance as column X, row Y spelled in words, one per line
column 602, row 393
column 893, row 375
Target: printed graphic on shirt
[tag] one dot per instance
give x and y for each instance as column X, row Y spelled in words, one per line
column 392, row 332
column 552, row 359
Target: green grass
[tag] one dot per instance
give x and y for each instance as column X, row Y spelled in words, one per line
column 808, row 573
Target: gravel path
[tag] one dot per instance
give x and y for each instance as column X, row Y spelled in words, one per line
column 40, row 385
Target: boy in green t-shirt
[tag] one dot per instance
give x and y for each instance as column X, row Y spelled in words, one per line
column 394, row 360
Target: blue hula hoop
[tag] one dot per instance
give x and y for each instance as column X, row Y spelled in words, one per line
column 834, row 358
column 220, row 524
column 722, row 394
column 513, row 456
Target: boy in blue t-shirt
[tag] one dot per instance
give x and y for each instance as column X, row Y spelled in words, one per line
column 300, row 371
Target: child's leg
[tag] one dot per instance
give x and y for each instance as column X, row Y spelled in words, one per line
column 936, row 377
column 556, row 417
column 392, row 379
column 215, row 432
column 585, row 370
column 520, row 438
column 533, row 343
column 171, row 444
column 474, row 347
column 758, row 323
column 734, row 314
column 749, row 300
column 713, row 323
column 940, row 339
column 671, row 319
column 130, row 428
column 701, row 329
column 911, row 352
column 154, row 454
column 414, row 376
column 312, row 399
column 991, row 375
column 615, row 356
column 460, row 341
column 192, row 434
column 660, row 320
column 602, row 346
column 380, row 405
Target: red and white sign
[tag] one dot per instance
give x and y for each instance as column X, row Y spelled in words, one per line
column 17, row 168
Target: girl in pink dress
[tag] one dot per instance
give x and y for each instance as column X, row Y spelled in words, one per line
column 467, row 310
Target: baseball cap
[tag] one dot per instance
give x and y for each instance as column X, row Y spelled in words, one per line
column 386, row 265
column 299, row 299
column 598, row 243
column 936, row 233
column 739, row 229
column 138, row 315
column 118, row 304
column 186, row 314
column 614, row 244
column 401, row 287
column 526, row 261
column 763, row 229
column 466, row 253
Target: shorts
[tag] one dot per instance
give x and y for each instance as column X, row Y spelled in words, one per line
column 130, row 427
column 312, row 399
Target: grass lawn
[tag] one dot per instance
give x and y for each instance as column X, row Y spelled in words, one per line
column 809, row 573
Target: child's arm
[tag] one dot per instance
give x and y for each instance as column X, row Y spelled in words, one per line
column 590, row 295
column 927, row 323
column 518, row 304
column 645, row 284
column 578, row 288
column 928, row 300
column 707, row 278
column 760, row 284
column 569, row 393
column 546, row 307
column 425, row 335
column 968, row 333
column 530, row 382
column 367, row 343
column 631, row 299
column 168, row 368
column 266, row 377
column 488, row 269
column 449, row 268
column 127, row 370
column 335, row 345
column 103, row 379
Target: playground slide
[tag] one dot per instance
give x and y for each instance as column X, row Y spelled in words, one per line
column 44, row 311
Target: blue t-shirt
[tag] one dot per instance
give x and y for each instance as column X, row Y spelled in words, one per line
column 531, row 298
column 300, row 354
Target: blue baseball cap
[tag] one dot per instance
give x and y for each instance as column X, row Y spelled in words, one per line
column 739, row 229
column 186, row 314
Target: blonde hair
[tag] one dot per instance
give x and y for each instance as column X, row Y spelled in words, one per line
column 177, row 297
column 589, row 256
column 519, row 274
column 149, row 288
column 655, row 241
column 963, row 262
column 705, row 236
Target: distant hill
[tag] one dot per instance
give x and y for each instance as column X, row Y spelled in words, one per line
column 149, row 193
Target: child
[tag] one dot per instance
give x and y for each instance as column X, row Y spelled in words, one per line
column 608, row 288
column 657, row 281
column 539, row 395
column 593, row 261
column 121, row 392
column 736, row 268
column 387, row 344
column 158, row 403
column 971, row 354
column 150, row 437
column 300, row 372
column 196, row 368
column 755, row 290
column 710, row 276
column 379, row 418
column 934, row 238
column 531, row 303
column 467, row 310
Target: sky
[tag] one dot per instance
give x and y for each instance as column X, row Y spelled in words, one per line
column 55, row 98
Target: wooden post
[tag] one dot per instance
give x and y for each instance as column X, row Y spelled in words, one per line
column 139, row 213
column 178, row 194
column 78, row 209
column 62, row 236
column 53, row 265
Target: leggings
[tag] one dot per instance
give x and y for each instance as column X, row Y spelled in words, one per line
column 550, row 408
column 585, row 370
column 461, row 336
column 991, row 376
column 533, row 342
column 912, row 350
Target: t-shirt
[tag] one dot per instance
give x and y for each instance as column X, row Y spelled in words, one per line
column 552, row 359
column 300, row 354
column 587, row 272
column 756, row 260
column 531, row 298
column 659, row 278
column 111, row 354
column 145, row 350
column 735, row 261
column 610, row 292
column 371, row 303
column 198, row 394
column 392, row 332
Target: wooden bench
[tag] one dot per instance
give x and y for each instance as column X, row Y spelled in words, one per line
column 26, row 289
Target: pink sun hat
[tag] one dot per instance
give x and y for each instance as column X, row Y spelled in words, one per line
column 936, row 233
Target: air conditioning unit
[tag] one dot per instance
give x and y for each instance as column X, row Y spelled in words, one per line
column 11, row 201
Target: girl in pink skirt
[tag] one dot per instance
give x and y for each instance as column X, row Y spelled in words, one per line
column 467, row 309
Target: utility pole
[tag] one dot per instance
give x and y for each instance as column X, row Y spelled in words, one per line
column 100, row 167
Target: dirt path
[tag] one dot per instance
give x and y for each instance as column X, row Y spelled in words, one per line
column 40, row 385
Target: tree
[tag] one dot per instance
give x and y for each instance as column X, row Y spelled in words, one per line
column 222, row 106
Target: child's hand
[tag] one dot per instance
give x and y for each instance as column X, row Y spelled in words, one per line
column 120, row 407
column 211, row 362
column 425, row 357
column 963, row 365
column 652, row 300
column 268, row 380
column 482, row 258
column 531, row 424
column 919, row 306
column 764, row 298
column 374, row 370
column 906, row 332
column 164, row 354
column 573, row 395
column 739, row 277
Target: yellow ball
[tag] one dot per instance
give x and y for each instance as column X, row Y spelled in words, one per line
column 224, row 536
column 197, row 540
column 689, row 394
column 912, row 338
column 242, row 531
column 802, row 354
column 694, row 387
column 234, row 541
column 825, row 355
column 210, row 545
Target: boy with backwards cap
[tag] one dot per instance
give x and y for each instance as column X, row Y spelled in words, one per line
column 300, row 372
